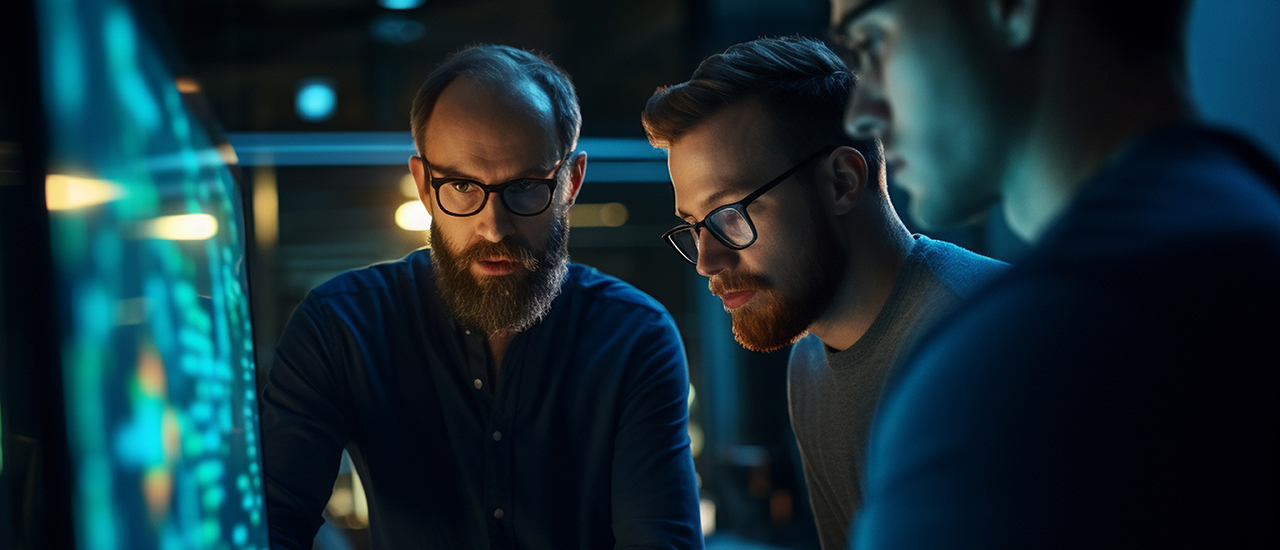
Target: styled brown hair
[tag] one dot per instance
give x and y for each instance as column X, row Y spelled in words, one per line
column 805, row 85
column 501, row 66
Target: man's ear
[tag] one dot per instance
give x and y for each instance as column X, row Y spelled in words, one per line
column 577, row 171
column 1016, row 19
column 420, row 177
column 850, row 172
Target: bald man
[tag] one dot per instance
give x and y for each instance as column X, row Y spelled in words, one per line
column 491, row 394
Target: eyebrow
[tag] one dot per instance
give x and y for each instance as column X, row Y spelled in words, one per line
column 854, row 14
column 713, row 198
column 453, row 172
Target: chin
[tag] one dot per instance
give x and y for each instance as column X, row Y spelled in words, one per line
column 932, row 213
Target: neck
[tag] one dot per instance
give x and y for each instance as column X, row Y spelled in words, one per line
column 878, row 247
column 1090, row 103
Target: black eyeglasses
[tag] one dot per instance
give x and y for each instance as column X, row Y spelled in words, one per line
column 523, row 197
column 730, row 223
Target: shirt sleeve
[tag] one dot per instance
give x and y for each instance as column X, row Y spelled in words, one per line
column 654, row 489
column 303, row 429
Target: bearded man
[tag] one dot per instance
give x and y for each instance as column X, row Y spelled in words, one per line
column 816, row 250
column 492, row 395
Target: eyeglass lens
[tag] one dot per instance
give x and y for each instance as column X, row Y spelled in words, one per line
column 525, row 197
column 728, row 225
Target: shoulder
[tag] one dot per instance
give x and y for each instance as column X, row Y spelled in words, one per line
column 1184, row 188
column 806, row 354
column 593, row 292
column 807, row 363
column 406, row 282
column 375, row 277
column 1026, row 348
column 956, row 268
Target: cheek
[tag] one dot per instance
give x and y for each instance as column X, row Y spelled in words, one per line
column 941, row 116
column 782, row 237
column 459, row 233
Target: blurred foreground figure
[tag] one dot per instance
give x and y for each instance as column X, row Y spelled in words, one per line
column 1116, row 388
column 816, row 250
column 491, row 394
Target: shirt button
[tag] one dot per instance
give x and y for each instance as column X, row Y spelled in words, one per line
column 468, row 332
column 497, row 436
column 479, row 384
column 498, row 513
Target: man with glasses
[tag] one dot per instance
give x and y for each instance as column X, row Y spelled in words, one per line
column 1117, row 388
column 791, row 221
column 490, row 393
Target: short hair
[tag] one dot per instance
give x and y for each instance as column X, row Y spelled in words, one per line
column 505, row 67
column 805, row 85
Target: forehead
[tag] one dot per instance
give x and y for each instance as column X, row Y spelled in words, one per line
column 477, row 123
column 844, row 12
column 724, row 157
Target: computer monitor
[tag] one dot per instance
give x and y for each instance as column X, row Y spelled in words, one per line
column 146, row 246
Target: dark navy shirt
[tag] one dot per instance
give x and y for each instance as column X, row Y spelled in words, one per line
column 1115, row 389
column 581, row 442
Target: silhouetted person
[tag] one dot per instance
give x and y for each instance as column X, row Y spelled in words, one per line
column 1115, row 388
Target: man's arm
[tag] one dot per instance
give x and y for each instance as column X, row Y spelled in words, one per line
column 303, row 430
column 655, row 492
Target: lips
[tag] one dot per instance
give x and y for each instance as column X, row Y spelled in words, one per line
column 735, row 299
column 496, row 266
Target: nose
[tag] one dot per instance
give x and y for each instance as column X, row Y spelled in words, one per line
column 713, row 256
column 494, row 221
column 868, row 115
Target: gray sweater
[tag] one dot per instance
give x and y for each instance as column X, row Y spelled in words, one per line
column 832, row 394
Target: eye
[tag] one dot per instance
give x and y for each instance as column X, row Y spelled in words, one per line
column 861, row 45
column 869, row 43
column 462, row 186
column 521, row 186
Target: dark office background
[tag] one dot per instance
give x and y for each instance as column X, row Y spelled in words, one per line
column 250, row 59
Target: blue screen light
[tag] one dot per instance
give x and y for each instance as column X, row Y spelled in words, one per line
column 400, row 4
column 316, row 100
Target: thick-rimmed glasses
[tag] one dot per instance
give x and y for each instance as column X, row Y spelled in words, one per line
column 463, row 197
column 730, row 223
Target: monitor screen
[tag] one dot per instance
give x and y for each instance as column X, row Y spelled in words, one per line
column 148, row 243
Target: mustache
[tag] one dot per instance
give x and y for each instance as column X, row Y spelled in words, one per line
column 732, row 282
column 507, row 249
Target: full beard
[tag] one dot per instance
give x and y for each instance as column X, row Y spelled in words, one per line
column 503, row 303
column 779, row 317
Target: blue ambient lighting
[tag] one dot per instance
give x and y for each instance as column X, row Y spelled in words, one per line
column 400, row 4
column 316, row 100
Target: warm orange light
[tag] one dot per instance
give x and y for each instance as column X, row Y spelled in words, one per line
column 187, row 84
column 413, row 216
column 62, row 192
column 409, row 187
column 182, row 227
column 266, row 207
column 228, row 153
